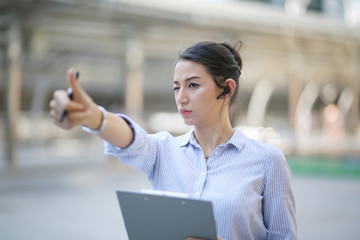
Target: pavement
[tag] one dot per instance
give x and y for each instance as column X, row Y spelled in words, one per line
column 57, row 194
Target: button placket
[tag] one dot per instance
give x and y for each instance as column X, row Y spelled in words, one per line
column 199, row 186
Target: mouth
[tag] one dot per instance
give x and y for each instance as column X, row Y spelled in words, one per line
column 184, row 112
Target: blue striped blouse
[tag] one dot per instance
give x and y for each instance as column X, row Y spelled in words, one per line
column 248, row 182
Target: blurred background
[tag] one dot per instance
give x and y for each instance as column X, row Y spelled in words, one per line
column 299, row 90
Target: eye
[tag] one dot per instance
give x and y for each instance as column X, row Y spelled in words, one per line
column 176, row 88
column 193, row 85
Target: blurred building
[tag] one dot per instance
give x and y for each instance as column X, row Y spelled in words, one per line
column 299, row 57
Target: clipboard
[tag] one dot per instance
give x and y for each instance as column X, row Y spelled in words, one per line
column 163, row 217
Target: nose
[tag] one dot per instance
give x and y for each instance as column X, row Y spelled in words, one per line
column 181, row 97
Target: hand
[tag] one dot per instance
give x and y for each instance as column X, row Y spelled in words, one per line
column 80, row 110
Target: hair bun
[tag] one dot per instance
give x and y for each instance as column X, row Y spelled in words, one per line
column 235, row 51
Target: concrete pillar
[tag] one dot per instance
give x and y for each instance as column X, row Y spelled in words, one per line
column 354, row 79
column 258, row 103
column 13, row 89
column 304, row 106
column 134, row 99
column 295, row 74
column 294, row 91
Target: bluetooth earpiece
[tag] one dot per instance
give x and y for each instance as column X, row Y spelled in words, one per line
column 226, row 91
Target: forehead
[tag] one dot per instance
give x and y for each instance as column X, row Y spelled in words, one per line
column 185, row 69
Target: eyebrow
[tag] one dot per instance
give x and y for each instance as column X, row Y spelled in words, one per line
column 188, row 79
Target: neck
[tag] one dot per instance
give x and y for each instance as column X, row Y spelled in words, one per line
column 210, row 137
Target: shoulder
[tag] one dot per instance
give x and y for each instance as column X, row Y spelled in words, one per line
column 268, row 153
column 162, row 137
column 265, row 148
column 274, row 160
column 165, row 138
column 273, row 155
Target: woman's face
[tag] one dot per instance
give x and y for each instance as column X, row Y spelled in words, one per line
column 195, row 94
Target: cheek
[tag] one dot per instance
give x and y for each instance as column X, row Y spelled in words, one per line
column 203, row 94
column 176, row 97
column 204, row 100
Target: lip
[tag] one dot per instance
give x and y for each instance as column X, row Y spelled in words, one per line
column 184, row 112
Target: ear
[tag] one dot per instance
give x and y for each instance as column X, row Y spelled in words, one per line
column 231, row 85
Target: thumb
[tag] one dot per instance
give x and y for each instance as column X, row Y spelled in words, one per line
column 79, row 94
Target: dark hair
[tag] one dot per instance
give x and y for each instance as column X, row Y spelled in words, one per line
column 221, row 60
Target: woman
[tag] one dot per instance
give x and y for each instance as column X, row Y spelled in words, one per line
column 248, row 182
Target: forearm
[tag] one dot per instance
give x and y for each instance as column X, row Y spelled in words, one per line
column 117, row 131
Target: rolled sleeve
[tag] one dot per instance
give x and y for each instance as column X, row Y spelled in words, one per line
column 140, row 154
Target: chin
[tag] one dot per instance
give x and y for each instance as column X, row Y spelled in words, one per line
column 188, row 122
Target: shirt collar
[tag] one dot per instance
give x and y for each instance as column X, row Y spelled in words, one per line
column 238, row 139
column 187, row 138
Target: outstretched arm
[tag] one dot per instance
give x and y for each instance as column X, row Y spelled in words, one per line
column 82, row 110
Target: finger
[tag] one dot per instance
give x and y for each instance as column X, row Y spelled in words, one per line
column 54, row 115
column 52, row 104
column 79, row 93
column 72, row 81
column 58, row 110
column 61, row 99
column 72, row 119
column 71, row 76
column 62, row 102
column 72, row 106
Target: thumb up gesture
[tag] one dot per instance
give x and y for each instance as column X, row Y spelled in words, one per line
column 74, row 107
